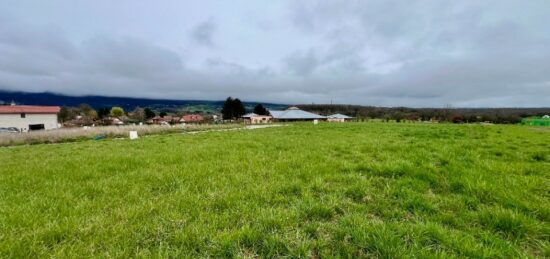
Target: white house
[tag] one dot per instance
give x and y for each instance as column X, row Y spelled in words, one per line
column 253, row 118
column 27, row 117
column 338, row 118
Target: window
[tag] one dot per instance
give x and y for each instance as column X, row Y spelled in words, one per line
column 23, row 115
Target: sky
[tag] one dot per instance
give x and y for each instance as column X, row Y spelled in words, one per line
column 424, row 53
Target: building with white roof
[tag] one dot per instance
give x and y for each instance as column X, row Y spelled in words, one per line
column 295, row 114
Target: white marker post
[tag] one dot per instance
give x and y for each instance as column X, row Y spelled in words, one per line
column 315, row 122
column 133, row 134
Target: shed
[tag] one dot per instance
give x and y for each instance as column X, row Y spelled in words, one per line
column 338, row 118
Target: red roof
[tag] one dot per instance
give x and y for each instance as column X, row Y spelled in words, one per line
column 28, row 109
column 192, row 117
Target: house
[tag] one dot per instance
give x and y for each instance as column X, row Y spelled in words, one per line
column 295, row 114
column 191, row 118
column 27, row 117
column 172, row 119
column 117, row 121
column 157, row 120
column 253, row 118
column 164, row 120
column 338, row 118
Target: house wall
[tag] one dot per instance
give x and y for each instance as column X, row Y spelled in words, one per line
column 15, row 120
column 260, row 119
column 192, row 118
column 336, row 120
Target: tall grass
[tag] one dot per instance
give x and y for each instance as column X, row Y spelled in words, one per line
column 379, row 190
column 75, row 134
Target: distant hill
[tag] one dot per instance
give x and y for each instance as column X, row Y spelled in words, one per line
column 127, row 103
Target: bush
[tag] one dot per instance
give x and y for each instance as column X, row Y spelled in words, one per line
column 117, row 111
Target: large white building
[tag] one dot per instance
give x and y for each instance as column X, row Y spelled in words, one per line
column 295, row 114
column 27, row 117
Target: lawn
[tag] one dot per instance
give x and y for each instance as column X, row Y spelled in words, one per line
column 349, row 190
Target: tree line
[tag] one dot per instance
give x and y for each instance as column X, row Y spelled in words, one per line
column 455, row 115
column 233, row 108
column 87, row 113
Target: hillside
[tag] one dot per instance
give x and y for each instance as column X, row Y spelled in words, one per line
column 103, row 101
column 382, row 190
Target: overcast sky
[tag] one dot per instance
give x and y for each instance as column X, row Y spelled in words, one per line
column 388, row 53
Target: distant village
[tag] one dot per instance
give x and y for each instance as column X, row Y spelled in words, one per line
column 24, row 118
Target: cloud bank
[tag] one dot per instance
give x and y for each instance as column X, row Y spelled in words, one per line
column 389, row 53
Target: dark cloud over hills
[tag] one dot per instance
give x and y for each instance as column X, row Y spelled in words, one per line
column 391, row 53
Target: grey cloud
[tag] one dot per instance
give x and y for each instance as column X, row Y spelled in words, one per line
column 30, row 51
column 203, row 33
column 129, row 57
column 44, row 39
column 421, row 53
column 102, row 65
column 442, row 54
column 302, row 64
column 233, row 68
column 336, row 61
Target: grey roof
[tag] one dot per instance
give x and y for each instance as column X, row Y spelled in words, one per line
column 339, row 116
column 294, row 113
column 250, row 115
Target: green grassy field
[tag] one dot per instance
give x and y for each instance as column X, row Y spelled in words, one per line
column 350, row 190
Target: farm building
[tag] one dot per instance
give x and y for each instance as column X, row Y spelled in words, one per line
column 27, row 117
column 191, row 118
column 338, row 118
column 295, row 114
column 158, row 120
column 164, row 120
column 253, row 118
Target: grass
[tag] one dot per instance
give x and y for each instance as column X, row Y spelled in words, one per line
column 77, row 134
column 331, row 190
